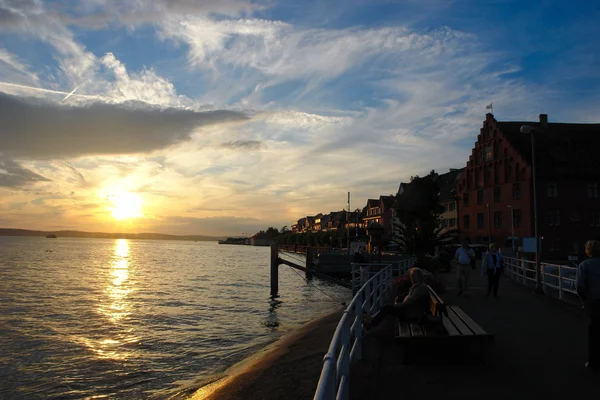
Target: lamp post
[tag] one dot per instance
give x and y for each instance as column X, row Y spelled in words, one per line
column 528, row 129
column 512, row 228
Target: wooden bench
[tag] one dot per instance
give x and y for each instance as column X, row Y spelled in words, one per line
column 444, row 327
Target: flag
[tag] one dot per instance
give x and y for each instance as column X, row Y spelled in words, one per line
column 488, row 107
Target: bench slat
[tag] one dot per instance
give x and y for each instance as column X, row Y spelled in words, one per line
column 458, row 322
column 416, row 329
column 468, row 321
column 450, row 328
column 403, row 329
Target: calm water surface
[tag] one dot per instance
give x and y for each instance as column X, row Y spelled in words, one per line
column 138, row 319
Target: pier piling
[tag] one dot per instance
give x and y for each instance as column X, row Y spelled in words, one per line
column 274, row 270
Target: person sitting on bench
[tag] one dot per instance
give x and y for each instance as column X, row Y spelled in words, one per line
column 414, row 305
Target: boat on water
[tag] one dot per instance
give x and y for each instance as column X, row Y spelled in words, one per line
column 51, row 236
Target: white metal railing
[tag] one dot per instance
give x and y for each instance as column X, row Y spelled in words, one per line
column 562, row 278
column 361, row 275
column 346, row 344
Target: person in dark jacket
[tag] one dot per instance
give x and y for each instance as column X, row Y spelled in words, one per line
column 588, row 288
column 413, row 306
column 492, row 266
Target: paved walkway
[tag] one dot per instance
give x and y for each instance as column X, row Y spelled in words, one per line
column 539, row 352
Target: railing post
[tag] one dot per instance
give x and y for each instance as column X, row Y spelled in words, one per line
column 358, row 312
column 367, row 292
column 560, row 283
column 344, row 369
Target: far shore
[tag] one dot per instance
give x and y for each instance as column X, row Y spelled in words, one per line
column 289, row 368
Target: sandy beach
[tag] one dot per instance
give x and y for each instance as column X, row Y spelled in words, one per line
column 287, row 369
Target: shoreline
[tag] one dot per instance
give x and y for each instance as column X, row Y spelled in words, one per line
column 288, row 368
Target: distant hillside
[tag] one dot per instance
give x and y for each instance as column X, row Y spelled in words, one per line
column 102, row 235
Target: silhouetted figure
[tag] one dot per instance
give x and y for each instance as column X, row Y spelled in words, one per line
column 413, row 306
column 588, row 288
column 464, row 257
column 492, row 266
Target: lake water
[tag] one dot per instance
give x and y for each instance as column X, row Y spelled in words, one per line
column 135, row 319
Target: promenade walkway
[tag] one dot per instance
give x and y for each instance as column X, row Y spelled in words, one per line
column 538, row 353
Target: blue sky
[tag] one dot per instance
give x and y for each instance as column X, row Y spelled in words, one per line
column 307, row 100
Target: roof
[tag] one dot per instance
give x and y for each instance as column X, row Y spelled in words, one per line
column 447, row 184
column 388, row 201
column 372, row 203
column 562, row 150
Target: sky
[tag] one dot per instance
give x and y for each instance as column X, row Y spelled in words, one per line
column 223, row 117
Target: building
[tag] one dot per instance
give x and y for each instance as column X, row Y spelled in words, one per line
column 447, row 184
column 496, row 189
column 380, row 211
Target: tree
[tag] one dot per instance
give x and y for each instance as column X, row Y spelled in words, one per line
column 418, row 210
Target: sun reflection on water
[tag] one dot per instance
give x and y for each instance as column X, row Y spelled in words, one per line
column 117, row 307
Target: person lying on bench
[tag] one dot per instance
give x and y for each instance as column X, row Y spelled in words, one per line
column 414, row 306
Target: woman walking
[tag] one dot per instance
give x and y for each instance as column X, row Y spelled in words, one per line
column 493, row 266
column 588, row 288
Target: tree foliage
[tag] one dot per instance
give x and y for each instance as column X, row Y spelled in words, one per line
column 418, row 210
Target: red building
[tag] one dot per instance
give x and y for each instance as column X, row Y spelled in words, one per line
column 498, row 176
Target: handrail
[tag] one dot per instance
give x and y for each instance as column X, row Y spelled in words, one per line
column 554, row 276
column 346, row 344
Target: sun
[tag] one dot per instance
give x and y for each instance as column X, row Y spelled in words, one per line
column 125, row 205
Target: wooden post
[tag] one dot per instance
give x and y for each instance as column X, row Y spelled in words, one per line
column 309, row 265
column 274, row 270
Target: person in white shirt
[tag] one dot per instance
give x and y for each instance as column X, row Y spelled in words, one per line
column 492, row 266
column 464, row 256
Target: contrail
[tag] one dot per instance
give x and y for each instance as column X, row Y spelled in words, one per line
column 37, row 89
column 70, row 94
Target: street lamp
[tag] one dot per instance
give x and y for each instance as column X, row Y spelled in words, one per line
column 528, row 129
column 512, row 229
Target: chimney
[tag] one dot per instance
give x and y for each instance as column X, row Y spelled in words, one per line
column 544, row 121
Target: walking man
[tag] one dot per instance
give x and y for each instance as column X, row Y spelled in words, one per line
column 464, row 256
column 588, row 288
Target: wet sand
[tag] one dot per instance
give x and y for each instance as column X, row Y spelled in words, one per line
column 287, row 369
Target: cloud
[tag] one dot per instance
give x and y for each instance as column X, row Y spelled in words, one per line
column 248, row 145
column 34, row 128
column 101, row 13
column 13, row 175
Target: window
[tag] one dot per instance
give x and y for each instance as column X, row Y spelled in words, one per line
column 480, row 197
column 554, row 216
column 593, row 192
column 479, row 178
column 556, row 244
column 466, row 199
column 497, row 149
column 487, row 170
column 497, row 174
column 451, row 206
column 517, row 216
column 487, row 152
column 552, row 189
column 518, row 172
column 516, row 190
column 508, row 170
column 480, row 220
column 594, row 218
column 497, row 219
column 470, row 179
column 497, row 194
column 445, row 223
column 466, row 222
column 452, row 222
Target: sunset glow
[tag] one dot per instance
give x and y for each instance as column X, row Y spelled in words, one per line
column 125, row 205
